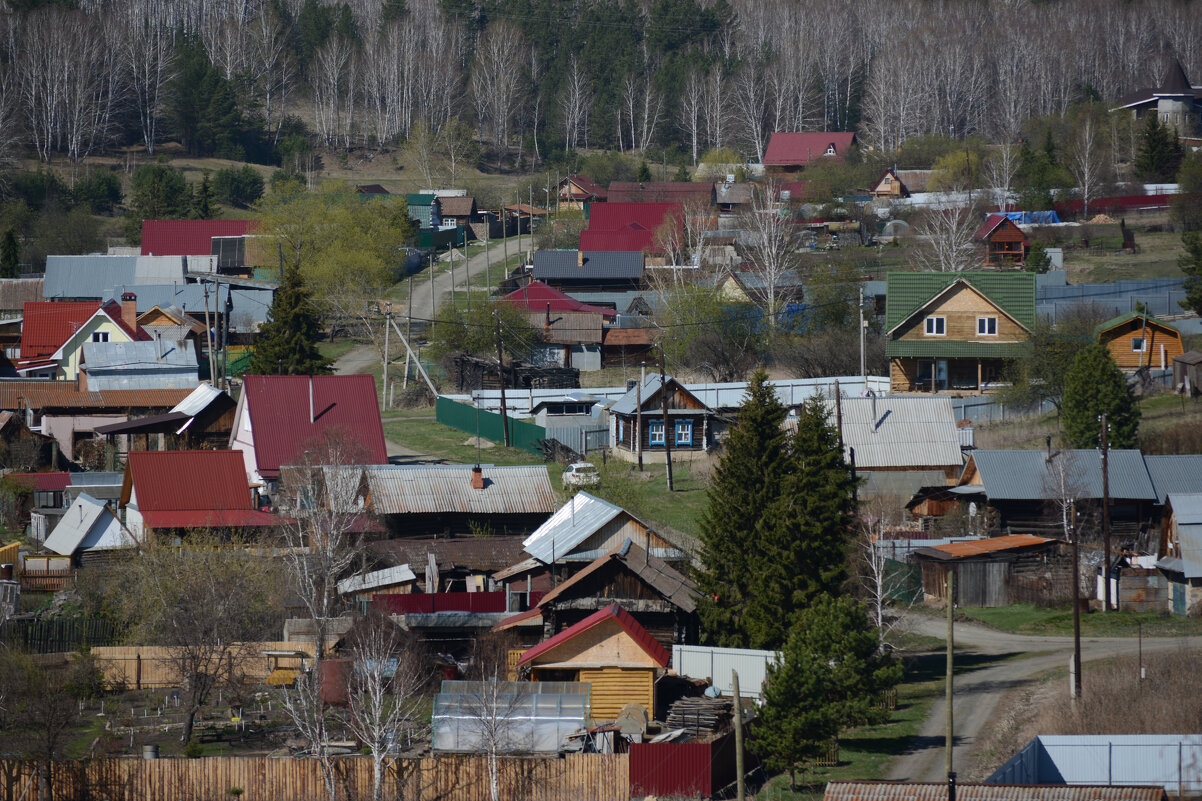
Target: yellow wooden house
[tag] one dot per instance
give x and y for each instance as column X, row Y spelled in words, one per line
column 1138, row 340
column 609, row 651
column 112, row 322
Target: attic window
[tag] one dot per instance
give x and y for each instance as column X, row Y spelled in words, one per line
column 1139, row 345
column 936, row 326
column 830, row 150
column 987, row 326
column 100, row 336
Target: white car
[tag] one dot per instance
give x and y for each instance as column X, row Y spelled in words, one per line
column 581, row 474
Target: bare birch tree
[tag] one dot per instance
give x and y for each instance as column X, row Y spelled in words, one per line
column 1000, row 169
column 146, row 50
column 573, row 103
column 690, row 109
column 770, row 246
column 945, row 236
column 496, row 88
column 751, row 104
column 1086, row 161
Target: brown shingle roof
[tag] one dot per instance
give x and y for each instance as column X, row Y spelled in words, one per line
column 458, row 206
column 66, row 395
column 485, row 554
column 667, row 581
column 16, row 292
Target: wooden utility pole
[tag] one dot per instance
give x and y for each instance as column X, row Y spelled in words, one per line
column 451, row 255
column 1106, row 514
column 638, row 425
column 668, row 430
column 1076, row 666
column 739, row 772
column 501, row 374
column 408, row 333
column 951, row 645
column 209, row 341
column 387, row 334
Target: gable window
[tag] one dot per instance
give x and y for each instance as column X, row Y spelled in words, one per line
column 100, row 336
column 684, row 432
column 830, row 150
column 1139, row 345
column 655, row 432
column 987, row 326
column 936, row 326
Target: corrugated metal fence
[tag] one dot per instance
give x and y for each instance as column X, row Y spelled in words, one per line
column 683, row 770
column 469, row 420
column 54, row 636
column 600, row 777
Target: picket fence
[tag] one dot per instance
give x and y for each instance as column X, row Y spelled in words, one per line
column 573, row 777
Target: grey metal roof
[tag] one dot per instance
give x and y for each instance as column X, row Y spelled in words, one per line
column 1174, row 474
column 901, row 432
column 87, row 276
column 565, row 264
column 140, row 365
column 621, row 301
column 898, row 483
column 572, row 524
column 388, row 577
column 204, row 394
column 87, row 524
column 437, row 489
column 1025, row 475
column 250, row 305
column 628, row 403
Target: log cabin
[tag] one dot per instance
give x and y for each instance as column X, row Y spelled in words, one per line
column 1138, row 340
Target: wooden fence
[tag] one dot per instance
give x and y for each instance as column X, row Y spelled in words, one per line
column 598, row 777
column 150, row 666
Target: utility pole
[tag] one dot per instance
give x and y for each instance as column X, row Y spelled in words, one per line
column 433, row 311
column 663, row 395
column 1106, row 513
column 387, row 332
column 740, row 790
column 451, row 255
column 209, row 341
column 638, row 424
column 501, row 374
column 408, row 333
column 951, row 644
column 863, row 330
column 1075, row 678
column 487, row 262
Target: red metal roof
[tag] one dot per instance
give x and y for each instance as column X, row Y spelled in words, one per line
column 535, row 297
column 628, row 216
column 659, row 191
column 189, row 481
column 49, row 324
column 211, row 518
column 611, row 612
column 529, row 617
column 42, row 482
column 617, row 241
column 587, row 186
column 291, row 412
column 787, row 149
column 991, row 222
column 963, row 550
column 187, row 237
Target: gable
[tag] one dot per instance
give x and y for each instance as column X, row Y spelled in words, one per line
column 99, row 322
column 907, row 293
column 961, row 304
column 605, row 643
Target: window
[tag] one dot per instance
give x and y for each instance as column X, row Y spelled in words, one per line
column 936, row 326
column 684, row 432
column 655, row 432
column 830, row 150
column 1139, row 345
column 987, row 326
column 100, row 336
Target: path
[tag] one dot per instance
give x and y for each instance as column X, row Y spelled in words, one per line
column 477, row 267
column 977, row 692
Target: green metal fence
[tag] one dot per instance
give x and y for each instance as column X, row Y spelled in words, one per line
column 469, row 419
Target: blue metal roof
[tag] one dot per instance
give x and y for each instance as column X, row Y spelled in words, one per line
column 1174, row 474
column 1027, row 475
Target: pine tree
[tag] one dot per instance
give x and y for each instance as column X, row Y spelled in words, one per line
column 1095, row 386
column 830, row 678
column 10, row 258
column 287, row 341
column 803, row 537
column 1159, row 152
column 644, row 173
column 1190, row 263
column 745, row 483
column 202, row 199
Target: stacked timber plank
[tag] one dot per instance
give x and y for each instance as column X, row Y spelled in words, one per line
column 700, row 716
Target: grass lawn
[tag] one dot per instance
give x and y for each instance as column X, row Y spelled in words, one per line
column 1157, row 258
column 336, row 349
column 1027, row 619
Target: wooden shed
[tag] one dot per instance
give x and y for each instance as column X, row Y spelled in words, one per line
column 1138, row 340
column 609, row 651
column 1005, row 242
column 1187, row 373
column 996, row 571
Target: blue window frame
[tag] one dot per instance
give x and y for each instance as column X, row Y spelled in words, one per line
column 684, row 432
column 655, row 432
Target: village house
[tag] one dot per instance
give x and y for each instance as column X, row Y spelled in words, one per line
column 579, row 192
column 188, row 237
column 306, row 420
column 460, row 211
column 425, row 208
column 88, row 531
column 1138, row 340
column 171, row 323
column 154, row 364
column 889, row 186
column 577, row 271
column 610, row 652
column 630, row 226
column 572, row 330
column 1006, row 245
column 1180, row 551
column 1175, row 101
column 53, row 334
column 996, row 571
column 202, row 420
column 169, row 493
column 637, row 423
column 792, row 151
column 954, row 332
column 16, row 292
column 97, row 278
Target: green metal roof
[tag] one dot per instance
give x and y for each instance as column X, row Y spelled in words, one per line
column 420, row 199
column 906, row 293
column 1128, row 317
column 952, row 349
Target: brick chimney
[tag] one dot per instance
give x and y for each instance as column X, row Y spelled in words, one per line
column 129, row 310
column 580, row 258
column 477, row 478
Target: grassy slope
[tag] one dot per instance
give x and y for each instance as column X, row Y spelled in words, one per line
column 1027, row 619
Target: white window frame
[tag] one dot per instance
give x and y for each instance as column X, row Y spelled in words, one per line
column 935, row 322
column 687, row 426
column 653, row 426
column 986, row 323
column 100, row 336
column 1142, row 344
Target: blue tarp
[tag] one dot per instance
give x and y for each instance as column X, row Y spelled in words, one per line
column 1033, row 217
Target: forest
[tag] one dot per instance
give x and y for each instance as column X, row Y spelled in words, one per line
column 269, row 81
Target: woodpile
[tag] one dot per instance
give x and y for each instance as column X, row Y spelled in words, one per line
column 699, row 716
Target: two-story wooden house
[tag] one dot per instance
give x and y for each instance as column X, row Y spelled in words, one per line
column 954, row 332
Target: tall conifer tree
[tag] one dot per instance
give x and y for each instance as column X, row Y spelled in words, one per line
column 803, row 536
column 10, row 255
column 745, row 484
column 287, row 342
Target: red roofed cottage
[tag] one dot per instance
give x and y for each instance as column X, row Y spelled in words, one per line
column 280, row 417
column 793, row 151
column 187, row 237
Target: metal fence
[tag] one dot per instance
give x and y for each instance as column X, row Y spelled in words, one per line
column 1172, row 761
column 490, row 425
column 57, row 636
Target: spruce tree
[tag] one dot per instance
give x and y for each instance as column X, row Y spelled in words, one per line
column 745, row 483
column 202, row 199
column 803, row 537
column 830, row 678
column 1159, row 152
column 287, row 341
column 10, row 257
column 1095, row 386
column 1190, row 263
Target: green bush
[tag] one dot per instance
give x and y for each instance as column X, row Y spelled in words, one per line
column 99, row 191
column 238, row 186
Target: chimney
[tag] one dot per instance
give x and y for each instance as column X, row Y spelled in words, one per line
column 580, row 258
column 129, row 310
column 158, row 346
column 311, row 418
column 477, row 478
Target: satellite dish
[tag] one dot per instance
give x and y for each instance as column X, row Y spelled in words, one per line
column 972, row 509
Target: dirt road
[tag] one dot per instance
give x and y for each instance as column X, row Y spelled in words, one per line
column 477, row 267
column 977, row 692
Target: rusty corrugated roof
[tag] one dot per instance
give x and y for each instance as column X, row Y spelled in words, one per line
column 35, row 394
column 484, row 554
column 937, row 791
column 965, row 550
column 438, row 489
